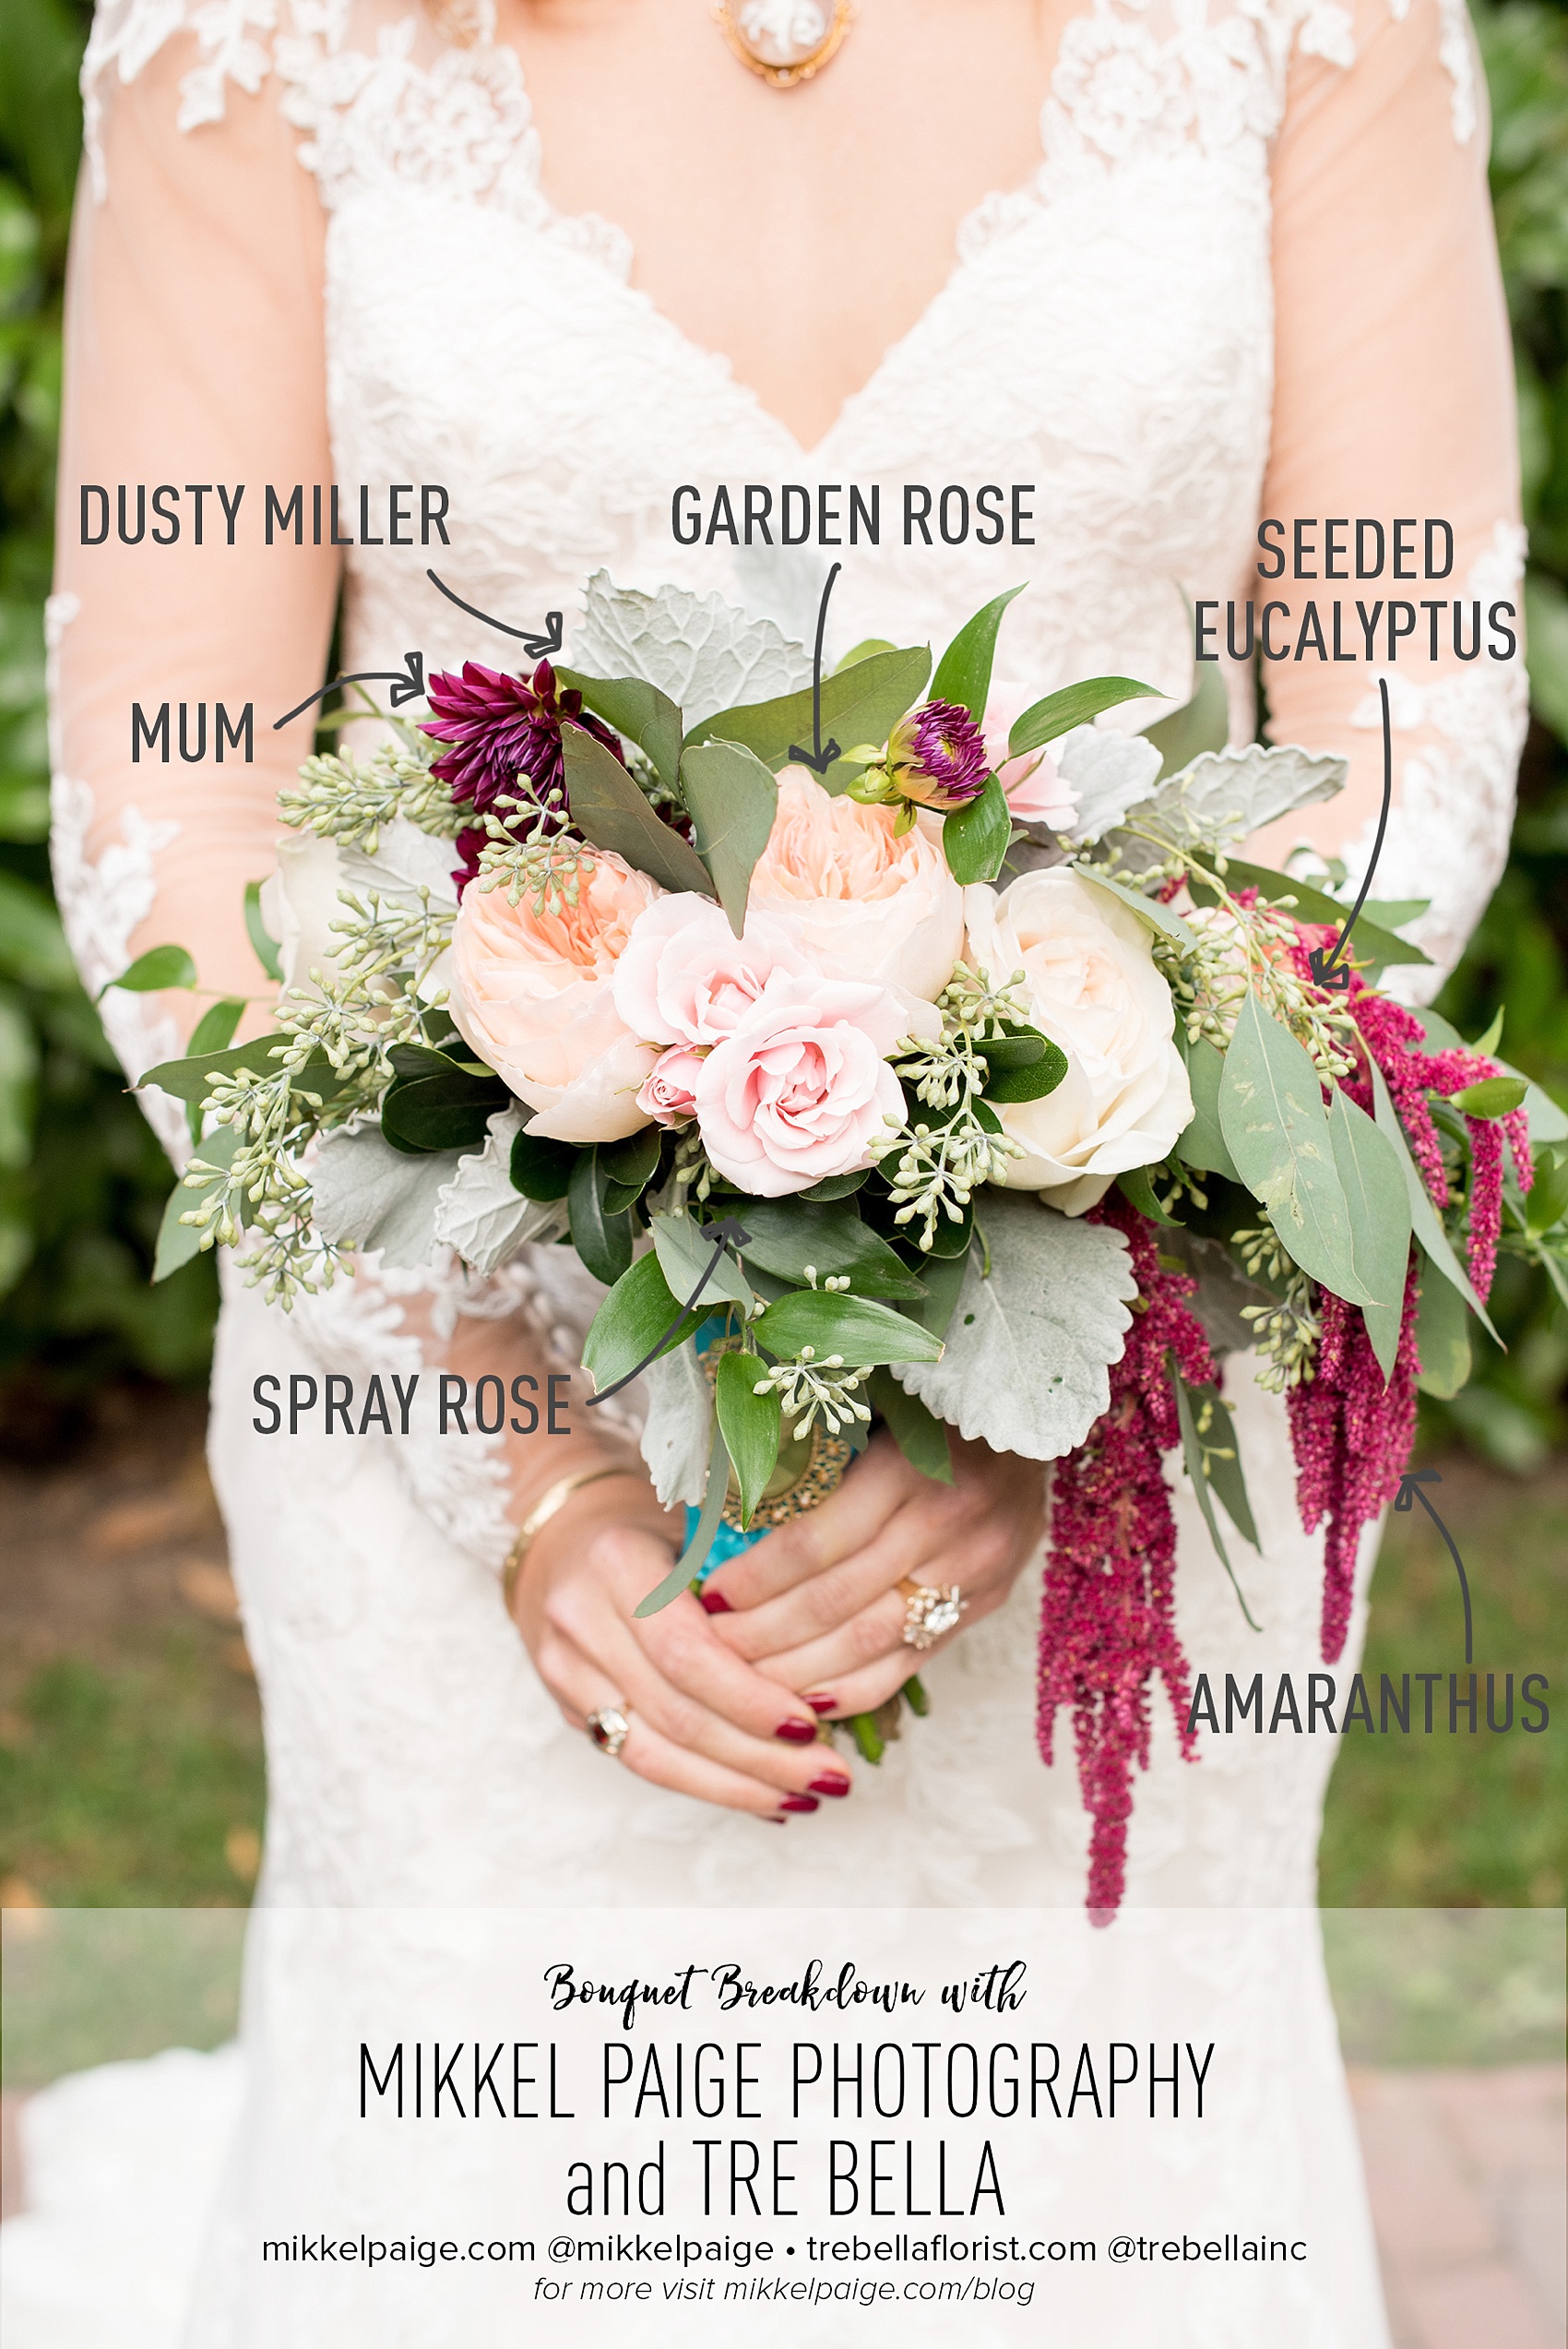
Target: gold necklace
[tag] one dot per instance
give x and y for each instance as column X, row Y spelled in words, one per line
column 785, row 41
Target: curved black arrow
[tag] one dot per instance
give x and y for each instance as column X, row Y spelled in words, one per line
column 537, row 646
column 408, row 685
column 730, row 1229
column 821, row 755
column 1410, row 1491
column 1326, row 968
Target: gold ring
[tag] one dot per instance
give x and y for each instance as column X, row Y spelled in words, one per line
column 929, row 1613
column 610, row 1727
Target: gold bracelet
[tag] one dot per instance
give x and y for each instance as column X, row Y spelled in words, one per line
column 539, row 1517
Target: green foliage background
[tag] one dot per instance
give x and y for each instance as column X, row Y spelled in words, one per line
column 82, row 1182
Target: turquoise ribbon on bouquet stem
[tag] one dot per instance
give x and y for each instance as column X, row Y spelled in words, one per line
column 706, row 1526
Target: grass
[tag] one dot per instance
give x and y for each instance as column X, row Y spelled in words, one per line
column 136, row 1785
column 1454, row 1822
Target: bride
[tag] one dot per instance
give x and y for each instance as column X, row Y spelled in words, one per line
column 521, row 271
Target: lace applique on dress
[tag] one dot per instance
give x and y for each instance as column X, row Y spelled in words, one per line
column 1453, row 799
column 128, row 34
column 102, row 904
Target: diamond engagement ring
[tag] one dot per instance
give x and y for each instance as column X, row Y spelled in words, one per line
column 929, row 1613
column 609, row 1728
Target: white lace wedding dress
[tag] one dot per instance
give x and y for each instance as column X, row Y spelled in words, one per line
column 1252, row 275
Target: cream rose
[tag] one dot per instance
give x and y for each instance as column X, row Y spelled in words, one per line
column 1092, row 984
column 532, row 993
column 802, row 1090
column 859, row 902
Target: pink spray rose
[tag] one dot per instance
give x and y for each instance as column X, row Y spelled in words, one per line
column 802, row 1089
column 686, row 978
column 668, row 1090
column 531, row 992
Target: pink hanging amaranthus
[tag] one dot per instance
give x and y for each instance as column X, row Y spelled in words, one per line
column 1108, row 1622
column 1350, row 1431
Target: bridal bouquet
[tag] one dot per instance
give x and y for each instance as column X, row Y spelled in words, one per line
column 890, row 1046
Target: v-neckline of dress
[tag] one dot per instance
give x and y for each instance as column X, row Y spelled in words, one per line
column 809, row 454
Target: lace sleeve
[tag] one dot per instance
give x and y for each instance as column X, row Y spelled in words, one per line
column 1394, row 400
column 194, row 379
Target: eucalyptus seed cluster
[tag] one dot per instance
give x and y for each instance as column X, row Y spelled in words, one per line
column 348, row 799
column 934, row 1166
column 332, row 1065
column 542, row 863
column 809, row 1389
column 1286, row 1332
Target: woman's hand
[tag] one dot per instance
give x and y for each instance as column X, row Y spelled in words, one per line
column 815, row 1606
column 704, row 1722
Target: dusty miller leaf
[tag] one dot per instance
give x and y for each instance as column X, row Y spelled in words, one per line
column 677, row 1432
column 1228, row 793
column 705, row 653
column 479, row 1212
column 367, row 1194
column 1029, row 1349
column 1109, row 774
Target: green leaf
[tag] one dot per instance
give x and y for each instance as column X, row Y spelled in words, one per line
column 612, row 812
column 191, row 1079
column 860, row 704
column 433, row 1102
column 685, row 1250
column 540, row 1168
column 1443, row 1337
column 601, row 1237
column 838, row 1187
column 1546, row 1202
column 695, row 1555
column 217, row 1024
column 1015, row 1078
column 1148, row 908
column 1203, row 1145
column 1272, row 1117
column 639, row 1315
column 1198, row 1469
column 160, row 967
column 1202, row 723
column 919, row 1434
column 753, row 1424
column 632, row 1163
column 944, row 1278
column 975, row 839
column 1425, row 1220
column 177, row 1242
column 1136, row 1188
column 1493, row 1097
column 786, row 1235
column 211, row 1032
column 733, row 800
column 862, row 1332
column 264, row 947
column 1487, row 1043
column 963, row 673
column 1379, row 1221
column 1073, row 706
column 637, row 710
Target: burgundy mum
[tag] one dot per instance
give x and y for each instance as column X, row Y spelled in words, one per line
column 501, row 728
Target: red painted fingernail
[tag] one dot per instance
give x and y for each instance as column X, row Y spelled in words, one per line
column 798, row 1803
column 797, row 1733
column 833, row 1782
column 822, row 1704
column 715, row 1602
